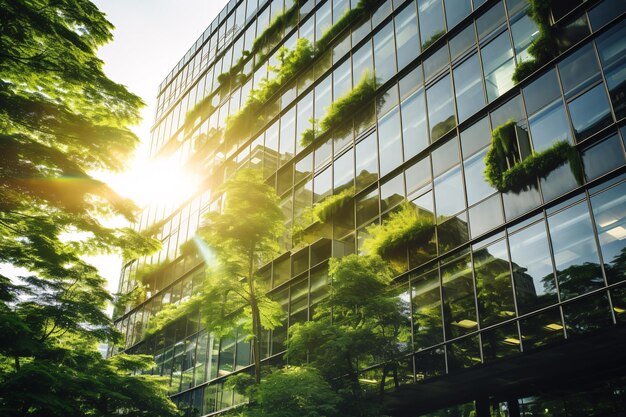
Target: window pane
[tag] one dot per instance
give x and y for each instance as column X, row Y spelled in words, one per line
column 414, row 127
column 477, row 187
column 445, row 156
column 458, row 295
column 501, row 342
column 463, row 354
column 417, row 176
column 612, row 50
column 524, row 31
column 431, row 21
column 440, row 108
column 406, row 35
column 475, row 137
column 605, row 12
column 541, row 329
column 367, row 207
column 456, row 10
column 449, row 195
column 390, row 142
column 541, row 92
column 603, row 157
column 392, row 192
column 469, row 88
column 486, row 215
column 366, row 162
column 586, row 315
column 344, row 171
column 427, row 326
column 590, row 112
column 575, row 253
column 491, row 20
column 532, row 268
column 549, row 126
column 322, row 185
column 462, row 41
column 385, row 53
column 580, row 70
column 609, row 211
column 493, row 284
column 498, row 65
column 288, row 134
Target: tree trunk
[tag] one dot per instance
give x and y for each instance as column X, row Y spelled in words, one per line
column 256, row 320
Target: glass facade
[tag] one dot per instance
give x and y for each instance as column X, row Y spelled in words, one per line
column 505, row 274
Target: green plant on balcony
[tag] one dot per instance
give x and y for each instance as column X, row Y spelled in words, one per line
column 433, row 39
column 277, row 26
column 349, row 18
column 405, row 226
column 324, row 210
column 544, row 47
column 251, row 116
column 344, row 108
column 505, row 171
column 202, row 109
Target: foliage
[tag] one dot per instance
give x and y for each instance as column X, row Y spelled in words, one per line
column 250, row 117
column 350, row 330
column 61, row 118
column 345, row 107
column 349, row 18
column 202, row 109
column 277, row 26
column 404, row 226
column 505, row 172
column 443, row 127
column 544, row 47
column 324, row 210
column 294, row 392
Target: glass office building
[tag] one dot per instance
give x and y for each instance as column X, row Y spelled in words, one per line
column 517, row 303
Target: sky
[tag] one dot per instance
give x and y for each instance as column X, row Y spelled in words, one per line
column 150, row 37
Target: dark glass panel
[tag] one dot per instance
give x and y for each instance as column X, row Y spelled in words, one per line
column 436, row 62
column 430, row 363
column 618, row 297
column 612, row 49
column 463, row 353
column 532, row 268
column 462, row 41
column 579, row 70
column 459, row 311
column 603, row 157
column 426, row 300
column 606, row 11
column 588, row 314
column 549, row 126
column 541, row 92
column 299, row 302
column 475, row 137
column 541, row 329
column 491, row 20
column 609, row 211
column 590, row 112
column 493, row 284
column 452, row 233
column 575, row 253
column 501, row 342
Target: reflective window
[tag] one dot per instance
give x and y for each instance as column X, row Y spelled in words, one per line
column 501, row 342
column 493, row 284
column 491, row 20
column 459, row 311
column 486, row 215
column 609, row 211
column 477, row 187
column 462, row 41
column 549, row 126
column 362, row 64
column 590, row 112
column 440, row 108
column 586, row 315
column 344, row 171
column 452, row 232
column 304, row 117
column 366, row 162
column 579, row 70
column 431, row 21
column 414, row 126
column 342, row 80
column 541, row 92
column 445, row 156
column 417, row 176
column 427, row 324
column 406, row 35
column 385, row 53
column 392, row 192
column 449, row 195
column 456, row 10
column 322, row 185
column 532, row 268
column 612, row 50
column 575, row 254
column 541, row 329
column 498, row 65
column 605, row 12
column 469, row 87
column 475, row 137
column 603, row 157
column 463, row 354
column 287, row 134
column 367, row 207
column 524, row 31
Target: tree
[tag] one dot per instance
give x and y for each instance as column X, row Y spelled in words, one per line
column 361, row 323
column 61, row 118
column 243, row 237
column 288, row 392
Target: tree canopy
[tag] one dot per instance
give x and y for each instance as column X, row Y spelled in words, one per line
column 61, row 118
